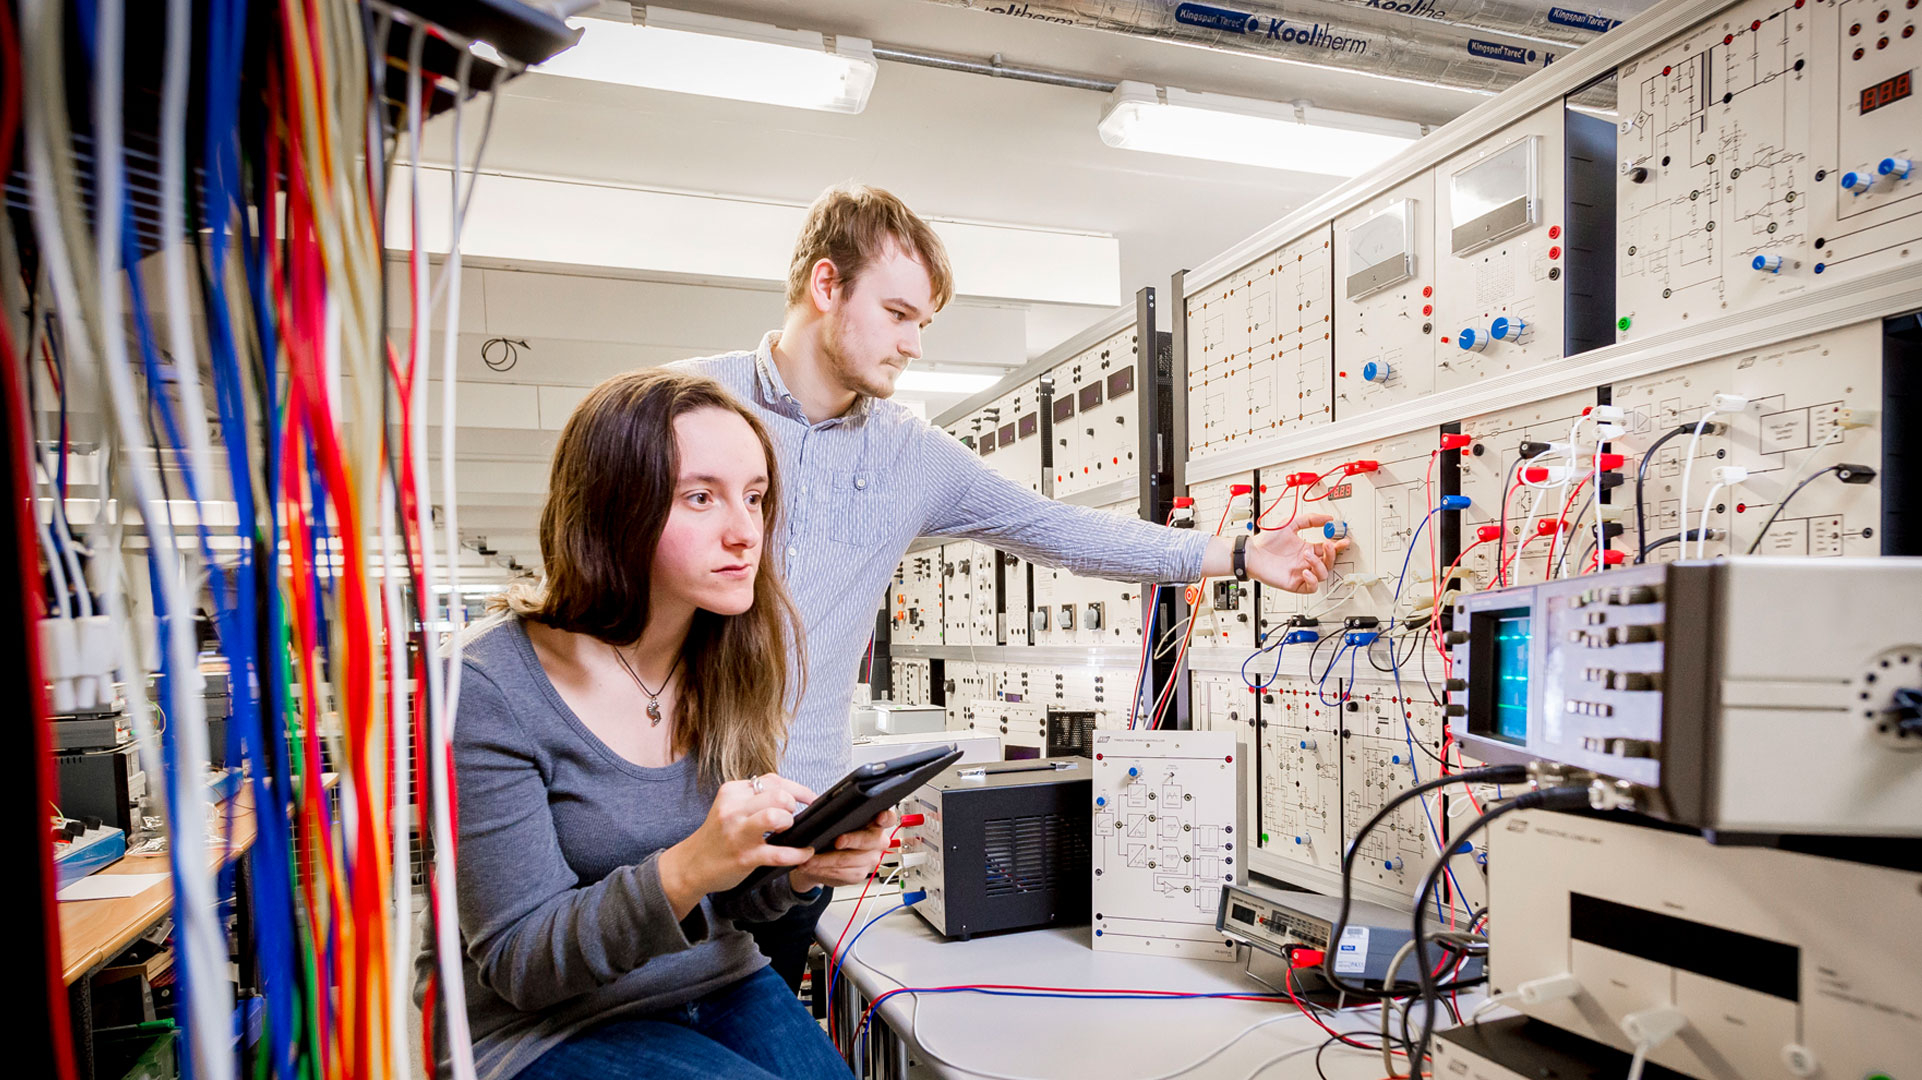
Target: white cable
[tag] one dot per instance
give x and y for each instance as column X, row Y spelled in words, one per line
column 1636, row 1063
column 401, row 938
column 446, row 931
column 1688, row 472
column 210, row 1007
column 173, row 257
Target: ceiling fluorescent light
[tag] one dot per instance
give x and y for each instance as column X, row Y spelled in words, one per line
column 1247, row 132
column 690, row 53
column 943, row 382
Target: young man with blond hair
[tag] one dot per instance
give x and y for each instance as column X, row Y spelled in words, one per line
column 863, row 476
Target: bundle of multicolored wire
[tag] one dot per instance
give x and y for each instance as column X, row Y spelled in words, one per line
column 255, row 197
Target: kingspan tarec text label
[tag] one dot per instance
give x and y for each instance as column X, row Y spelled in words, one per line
column 1314, row 35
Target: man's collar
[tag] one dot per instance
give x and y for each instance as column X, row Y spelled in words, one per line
column 775, row 394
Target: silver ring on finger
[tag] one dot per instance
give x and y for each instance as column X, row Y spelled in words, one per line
column 756, row 784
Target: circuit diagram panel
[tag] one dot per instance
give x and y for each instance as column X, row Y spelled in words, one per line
column 1385, row 299
column 1379, row 495
column 1074, row 610
column 1513, row 513
column 1714, row 179
column 1867, row 214
column 1393, row 742
column 1806, row 408
column 1300, row 781
column 1224, row 703
column 1260, row 348
column 1223, row 609
column 1096, row 416
column 1500, row 246
column 1016, row 613
column 1166, row 805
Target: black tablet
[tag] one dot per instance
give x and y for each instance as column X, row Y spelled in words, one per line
column 854, row 801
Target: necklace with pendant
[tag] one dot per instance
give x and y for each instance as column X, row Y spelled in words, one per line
column 653, row 696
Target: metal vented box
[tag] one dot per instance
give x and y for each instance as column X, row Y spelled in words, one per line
column 1002, row 846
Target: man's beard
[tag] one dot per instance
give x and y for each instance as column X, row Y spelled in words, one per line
column 874, row 384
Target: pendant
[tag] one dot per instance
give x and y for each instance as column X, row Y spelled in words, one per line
column 654, row 711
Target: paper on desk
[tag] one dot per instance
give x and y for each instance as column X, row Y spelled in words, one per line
column 109, row 886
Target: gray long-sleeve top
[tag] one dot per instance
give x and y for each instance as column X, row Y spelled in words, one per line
column 563, row 922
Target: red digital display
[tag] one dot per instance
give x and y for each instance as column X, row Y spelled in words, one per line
column 1886, row 91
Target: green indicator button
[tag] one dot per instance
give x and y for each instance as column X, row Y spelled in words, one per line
column 1264, row 840
column 1878, row 1076
column 1623, row 323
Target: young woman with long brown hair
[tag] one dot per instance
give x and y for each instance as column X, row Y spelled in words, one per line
column 616, row 741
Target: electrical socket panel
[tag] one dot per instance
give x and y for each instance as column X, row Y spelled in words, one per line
column 1103, row 690
column 912, row 682
column 1008, row 435
column 1166, row 809
column 1072, row 610
column 1385, row 299
column 1223, row 608
column 1260, row 348
column 1096, row 416
column 1300, row 781
column 1500, row 246
column 1748, row 168
column 1484, row 469
column 1018, row 724
column 957, row 594
column 1815, row 395
column 1380, row 508
column 1394, row 736
column 1017, row 620
column 917, row 598
column 1223, row 703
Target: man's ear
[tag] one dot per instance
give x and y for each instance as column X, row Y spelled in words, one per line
column 824, row 285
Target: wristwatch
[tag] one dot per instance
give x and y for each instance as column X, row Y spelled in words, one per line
column 1241, row 557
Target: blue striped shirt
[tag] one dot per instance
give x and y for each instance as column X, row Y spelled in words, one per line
column 859, row 488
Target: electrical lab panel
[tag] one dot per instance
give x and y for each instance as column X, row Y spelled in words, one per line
column 1394, row 735
column 1378, row 495
column 1811, row 403
column 1008, row 435
column 1086, row 687
column 1224, row 703
column 1260, row 348
column 1506, row 287
column 1815, row 970
column 1019, row 724
column 911, row 680
column 970, row 614
column 917, row 598
column 1017, row 620
column 1485, row 477
column 1072, row 610
column 1866, row 208
column 966, row 682
column 1385, row 299
column 1763, row 152
column 1096, row 416
column 1166, row 809
column 1223, row 608
column 1300, row 781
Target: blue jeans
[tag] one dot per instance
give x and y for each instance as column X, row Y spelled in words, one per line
column 752, row 1029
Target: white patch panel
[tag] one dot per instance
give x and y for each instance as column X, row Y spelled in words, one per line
column 1223, row 703
column 1223, row 609
column 917, row 599
column 1260, row 349
column 1071, row 610
column 1379, row 495
column 1812, row 403
column 1501, row 245
column 1300, row 781
column 1166, row 807
column 1385, row 299
column 1096, row 416
column 1485, row 470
